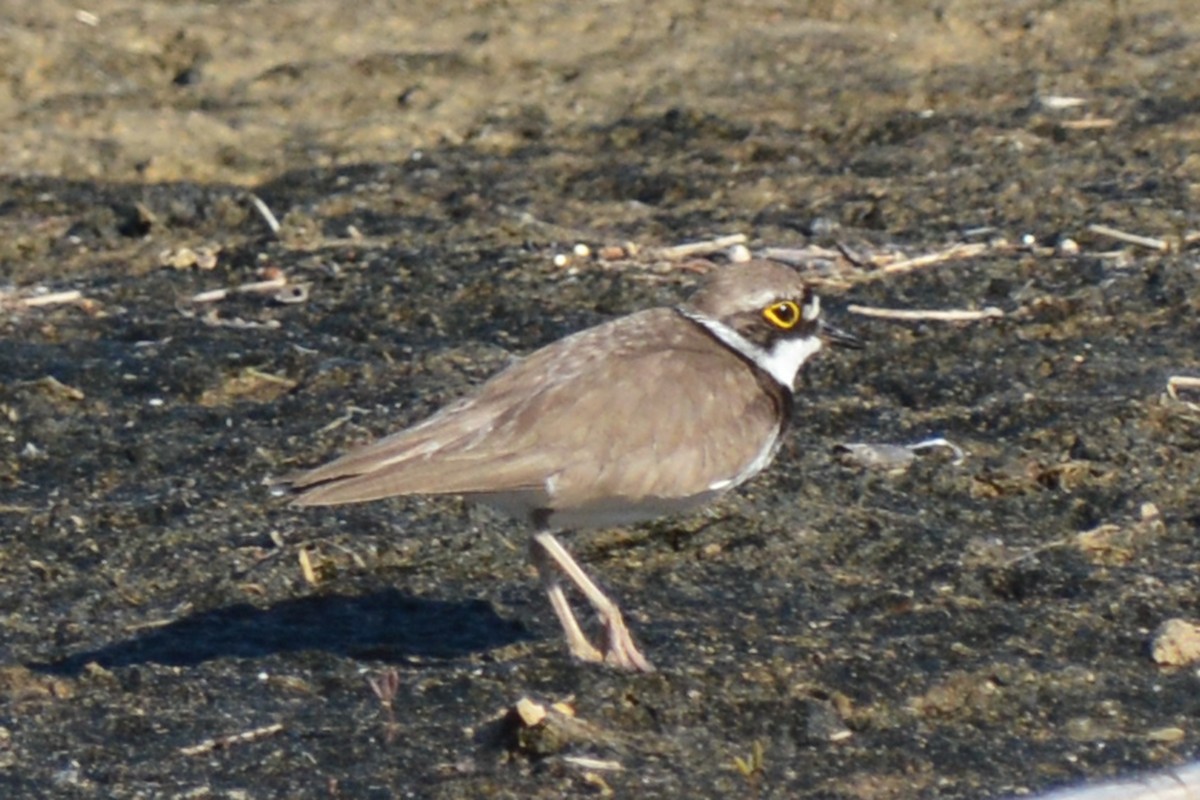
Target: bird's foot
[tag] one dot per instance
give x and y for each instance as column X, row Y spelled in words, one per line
column 583, row 650
column 622, row 653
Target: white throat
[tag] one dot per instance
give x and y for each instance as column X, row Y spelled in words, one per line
column 782, row 362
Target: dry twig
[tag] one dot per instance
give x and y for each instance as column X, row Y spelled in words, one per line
column 276, row 287
column 932, row 315
column 585, row 762
column 386, row 685
column 1090, row 123
column 1177, row 382
column 1160, row 245
column 53, row 298
column 265, row 212
column 219, row 742
column 15, row 299
column 894, row 456
column 1058, row 102
column 306, row 568
column 268, row 286
column 692, row 249
column 956, row 251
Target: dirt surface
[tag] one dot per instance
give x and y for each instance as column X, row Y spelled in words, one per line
column 949, row 630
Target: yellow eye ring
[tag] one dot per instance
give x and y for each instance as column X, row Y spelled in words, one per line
column 783, row 315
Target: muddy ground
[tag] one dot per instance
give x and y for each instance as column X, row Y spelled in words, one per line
column 951, row 630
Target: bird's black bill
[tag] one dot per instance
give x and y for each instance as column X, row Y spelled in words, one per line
column 839, row 337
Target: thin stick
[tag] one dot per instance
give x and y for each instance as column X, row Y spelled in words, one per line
column 12, row 300
column 585, row 762
column 152, row 624
column 342, row 420
column 960, row 455
column 218, row 742
column 306, row 568
column 61, row 389
column 962, row 315
column 262, row 287
column 51, row 299
column 268, row 377
column 960, row 250
column 257, row 287
column 1177, row 382
column 1058, row 102
column 1131, row 238
column 1087, row 124
column 682, row 251
column 265, row 212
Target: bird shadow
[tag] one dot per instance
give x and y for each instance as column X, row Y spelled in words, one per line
column 386, row 625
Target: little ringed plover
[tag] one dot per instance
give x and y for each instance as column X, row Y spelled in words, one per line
column 649, row 414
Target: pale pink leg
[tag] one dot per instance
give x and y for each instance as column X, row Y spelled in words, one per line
column 620, row 651
column 577, row 642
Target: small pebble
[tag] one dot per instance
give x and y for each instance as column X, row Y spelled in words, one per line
column 1068, row 246
column 739, row 254
column 1176, row 643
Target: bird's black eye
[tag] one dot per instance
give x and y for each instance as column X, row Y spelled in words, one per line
column 783, row 315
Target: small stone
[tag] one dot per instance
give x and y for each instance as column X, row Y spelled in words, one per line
column 531, row 712
column 1176, row 643
column 178, row 258
column 1166, row 735
column 875, row 456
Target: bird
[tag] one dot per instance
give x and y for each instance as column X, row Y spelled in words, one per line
column 650, row 414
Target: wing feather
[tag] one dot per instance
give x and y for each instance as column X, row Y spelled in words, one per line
column 611, row 411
